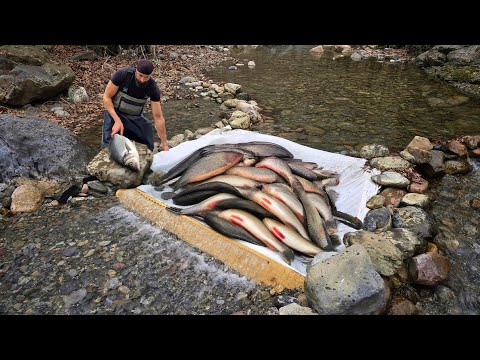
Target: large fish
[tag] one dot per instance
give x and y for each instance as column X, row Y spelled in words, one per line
column 205, row 205
column 260, row 149
column 182, row 166
column 210, row 186
column 276, row 207
column 229, row 229
column 299, row 169
column 325, row 211
column 209, row 166
column 258, row 174
column 314, row 222
column 257, row 229
column 291, row 238
column 193, row 198
column 285, row 194
column 243, row 204
column 234, row 180
column 277, row 165
column 124, row 152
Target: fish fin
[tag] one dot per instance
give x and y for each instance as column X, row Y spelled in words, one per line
column 288, row 255
column 168, row 195
column 335, row 240
column 332, row 194
column 174, row 210
column 331, row 227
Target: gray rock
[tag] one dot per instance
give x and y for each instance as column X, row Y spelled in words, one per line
column 109, row 170
column 25, row 84
column 385, row 256
column 373, row 151
column 75, row 297
column 283, row 300
column 458, row 166
column 389, row 163
column 413, row 199
column 435, row 167
column 51, row 152
column 415, row 219
column 296, row 309
column 97, row 186
column 347, row 283
column 378, row 219
column 71, row 251
column 376, row 202
column 391, row 178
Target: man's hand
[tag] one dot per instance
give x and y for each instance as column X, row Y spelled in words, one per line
column 117, row 127
column 165, row 147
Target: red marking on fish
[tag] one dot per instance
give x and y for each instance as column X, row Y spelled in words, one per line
column 237, row 220
column 212, row 204
column 278, row 233
column 267, row 201
column 264, row 204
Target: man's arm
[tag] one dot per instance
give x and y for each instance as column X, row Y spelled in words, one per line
column 109, row 93
column 159, row 122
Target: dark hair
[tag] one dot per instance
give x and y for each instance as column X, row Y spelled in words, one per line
column 145, row 66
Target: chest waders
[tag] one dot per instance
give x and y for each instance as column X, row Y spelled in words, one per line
column 128, row 104
column 130, row 110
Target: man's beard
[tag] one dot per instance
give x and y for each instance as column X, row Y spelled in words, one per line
column 140, row 84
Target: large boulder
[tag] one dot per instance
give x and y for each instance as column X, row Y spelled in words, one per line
column 38, row 148
column 28, row 74
column 108, row 170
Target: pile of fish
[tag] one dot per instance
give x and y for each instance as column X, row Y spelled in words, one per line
column 257, row 192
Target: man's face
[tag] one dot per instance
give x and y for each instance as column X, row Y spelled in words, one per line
column 141, row 79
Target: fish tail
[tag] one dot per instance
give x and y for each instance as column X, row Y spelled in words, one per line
column 174, row 210
column 331, row 227
column 288, row 255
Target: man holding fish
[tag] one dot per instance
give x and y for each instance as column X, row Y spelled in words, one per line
column 125, row 97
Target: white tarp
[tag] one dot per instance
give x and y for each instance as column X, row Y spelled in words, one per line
column 354, row 189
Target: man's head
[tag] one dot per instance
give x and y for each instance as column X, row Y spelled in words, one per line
column 144, row 71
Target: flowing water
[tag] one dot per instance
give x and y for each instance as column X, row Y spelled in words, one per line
column 343, row 104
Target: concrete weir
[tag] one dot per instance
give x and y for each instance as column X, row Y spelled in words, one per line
column 233, row 253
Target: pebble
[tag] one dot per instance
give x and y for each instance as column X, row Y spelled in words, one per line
column 104, row 243
column 71, row 251
column 113, row 283
column 124, row 289
column 89, row 253
column 220, row 302
column 111, row 273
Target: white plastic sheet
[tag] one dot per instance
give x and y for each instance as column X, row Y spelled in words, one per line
column 354, row 189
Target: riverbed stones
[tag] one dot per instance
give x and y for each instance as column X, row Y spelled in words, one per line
column 389, row 163
column 391, row 178
column 415, row 219
column 373, row 151
column 376, row 202
column 393, row 196
column 347, row 283
column 378, row 219
column 413, row 199
column 461, row 166
column 435, row 167
column 429, row 269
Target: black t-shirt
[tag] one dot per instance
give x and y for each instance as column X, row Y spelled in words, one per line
column 151, row 90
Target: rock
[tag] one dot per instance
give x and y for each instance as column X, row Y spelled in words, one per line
column 106, row 169
column 444, row 294
column 84, row 55
column 389, row 163
column 187, row 79
column 373, row 151
column 239, row 120
column 22, row 83
column 385, row 256
column 431, row 247
column 74, row 297
column 356, row 56
column 413, row 199
column 176, row 140
column 232, row 88
column 457, row 166
column 378, row 219
column 415, row 219
column 376, row 202
column 26, row 198
column 345, row 284
column 97, row 186
column 418, row 186
column 391, row 178
column 435, row 167
column 70, row 251
column 429, row 269
column 475, row 203
column 402, row 307
column 295, row 309
column 317, row 50
column 457, row 148
column 251, row 64
column 51, row 152
column 393, row 196
column 282, row 300
column 471, row 142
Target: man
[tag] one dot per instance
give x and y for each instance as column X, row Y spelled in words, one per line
column 125, row 97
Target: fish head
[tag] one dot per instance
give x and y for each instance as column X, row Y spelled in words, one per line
column 132, row 162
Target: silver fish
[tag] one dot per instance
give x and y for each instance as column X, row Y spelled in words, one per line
column 124, row 152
